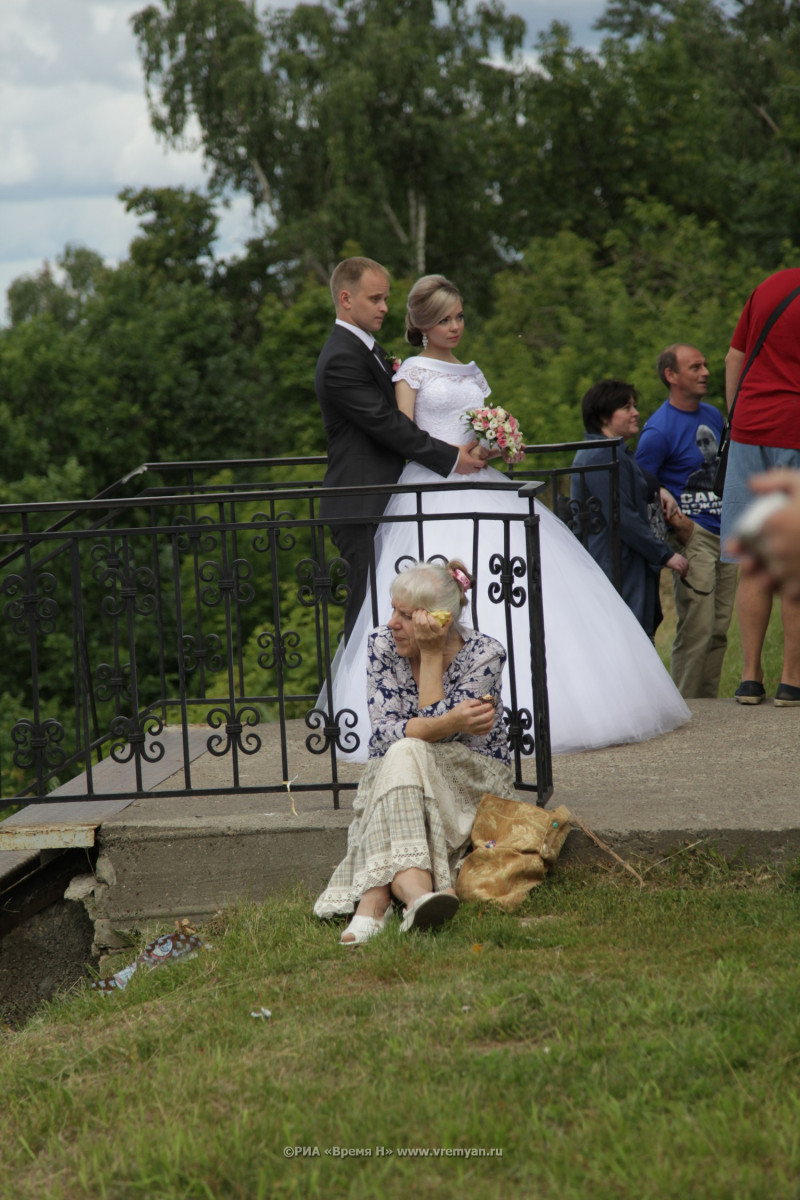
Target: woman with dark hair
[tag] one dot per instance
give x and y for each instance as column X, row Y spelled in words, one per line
column 609, row 411
column 438, row 743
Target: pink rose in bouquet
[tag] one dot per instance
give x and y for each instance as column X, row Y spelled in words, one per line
column 498, row 430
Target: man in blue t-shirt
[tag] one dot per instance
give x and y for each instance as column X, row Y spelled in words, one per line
column 678, row 445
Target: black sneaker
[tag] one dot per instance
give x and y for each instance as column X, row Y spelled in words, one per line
column 787, row 696
column 751, row 692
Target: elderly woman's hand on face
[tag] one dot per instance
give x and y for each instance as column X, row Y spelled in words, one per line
column 430, row 636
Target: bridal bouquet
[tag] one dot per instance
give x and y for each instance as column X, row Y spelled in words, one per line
column 497, row 429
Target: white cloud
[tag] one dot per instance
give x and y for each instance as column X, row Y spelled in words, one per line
column 84, row 138
column 95, row 221
column 74, row 131
column 98, row 222
column 103, row 18
column 17, row 161
column 45, row 42
column 142, row 160
column 25, row 43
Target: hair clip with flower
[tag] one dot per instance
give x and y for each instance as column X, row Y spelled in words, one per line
column 461, row 579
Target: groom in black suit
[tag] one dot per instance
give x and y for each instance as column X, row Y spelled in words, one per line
column 369, row 439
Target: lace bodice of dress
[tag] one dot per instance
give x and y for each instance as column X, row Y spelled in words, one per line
column 443, row 392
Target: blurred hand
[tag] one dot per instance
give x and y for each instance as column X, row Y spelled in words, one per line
column 682, row 526
column 471, row 458
column 678, row 563
column 776, row 563
column 669, row 505
column 474, row 717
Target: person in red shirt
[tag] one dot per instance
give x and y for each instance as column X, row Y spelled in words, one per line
column 765, row 433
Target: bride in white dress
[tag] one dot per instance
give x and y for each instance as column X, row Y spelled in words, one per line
column 606, row 683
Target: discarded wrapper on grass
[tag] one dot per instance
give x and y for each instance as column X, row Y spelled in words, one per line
column 183, row 943
column 513, row 847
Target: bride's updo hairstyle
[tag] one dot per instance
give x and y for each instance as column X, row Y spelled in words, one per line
column 434, row 585
column 428, row 301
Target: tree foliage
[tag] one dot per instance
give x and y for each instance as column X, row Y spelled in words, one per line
column 110, row 368
column 415, row 130
column 31, row 296
column 572, row 312
column 363, row 120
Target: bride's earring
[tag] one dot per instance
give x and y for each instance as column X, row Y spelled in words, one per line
column 424, row 341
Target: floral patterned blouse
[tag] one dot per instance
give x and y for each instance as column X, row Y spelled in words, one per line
column 393, row 697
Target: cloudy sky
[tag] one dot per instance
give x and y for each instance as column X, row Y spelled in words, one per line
column 74, row 128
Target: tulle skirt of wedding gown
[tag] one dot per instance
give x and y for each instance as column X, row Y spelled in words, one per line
column 606, row 683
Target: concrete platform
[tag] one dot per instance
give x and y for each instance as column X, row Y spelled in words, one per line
column 731, row 776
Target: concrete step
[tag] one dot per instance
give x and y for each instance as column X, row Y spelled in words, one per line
column 731, row 777
column 61, row 824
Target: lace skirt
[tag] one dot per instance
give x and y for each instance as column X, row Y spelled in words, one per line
column 414, row 808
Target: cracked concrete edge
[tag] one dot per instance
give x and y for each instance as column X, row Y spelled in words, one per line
column 118, row 903
column 160, row 872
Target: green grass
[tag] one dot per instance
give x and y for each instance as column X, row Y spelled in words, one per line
column 772, row 657
column 610, row 1041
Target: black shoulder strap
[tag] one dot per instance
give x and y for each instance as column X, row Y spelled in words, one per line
column 770, row 321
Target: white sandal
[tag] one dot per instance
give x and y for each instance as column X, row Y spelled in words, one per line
column 364, row 928
column 428, row 910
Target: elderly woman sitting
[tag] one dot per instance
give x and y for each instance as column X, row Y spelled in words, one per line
column 438, row 743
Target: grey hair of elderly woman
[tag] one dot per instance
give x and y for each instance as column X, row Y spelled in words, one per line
column 433, row 585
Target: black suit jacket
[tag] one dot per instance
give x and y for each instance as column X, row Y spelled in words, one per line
column 369, row 439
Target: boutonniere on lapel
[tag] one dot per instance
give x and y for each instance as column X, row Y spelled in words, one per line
column 392, row 364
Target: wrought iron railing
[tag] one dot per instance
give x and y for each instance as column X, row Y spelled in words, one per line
column 567, row 492
column 215, row 601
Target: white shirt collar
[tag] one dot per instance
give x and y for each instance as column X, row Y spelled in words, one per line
column 366, row 338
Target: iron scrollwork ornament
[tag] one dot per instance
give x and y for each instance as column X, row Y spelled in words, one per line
column 327, row 733
column 202, row 651
column 583, row 516
column 132, row 739
column 37, row 745
column 280, row 535
column 206, row 539
column 112, row 683
column 234, row 728
column 34, row 608
column 211, row 574
column 508, row 569
column 123, row 581
column 279, row 648
column 519, row 723
column 323, row 580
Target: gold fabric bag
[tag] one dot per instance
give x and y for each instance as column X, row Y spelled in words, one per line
column 513, row 847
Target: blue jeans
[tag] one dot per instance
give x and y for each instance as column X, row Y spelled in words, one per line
column 743, row 461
